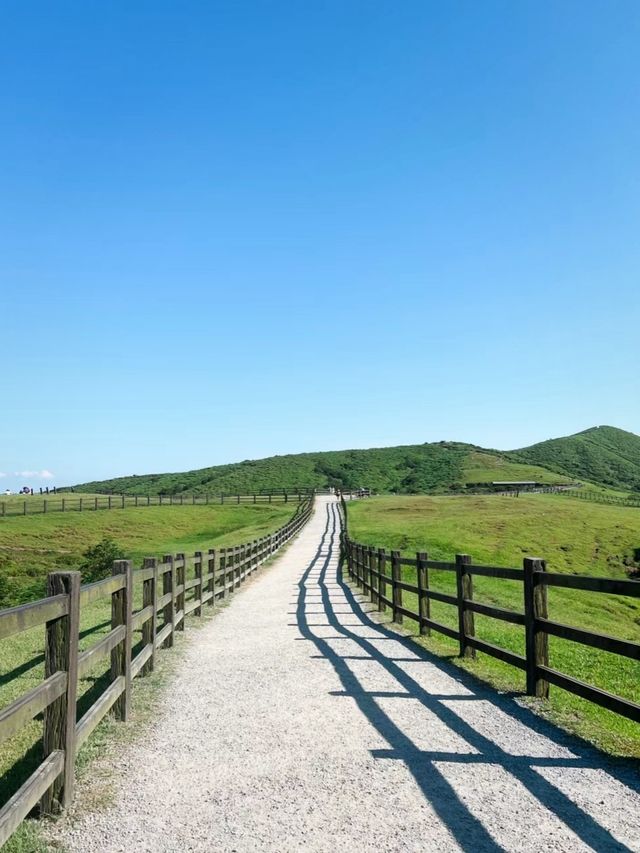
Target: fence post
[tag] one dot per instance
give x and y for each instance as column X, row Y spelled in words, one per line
column 61, row 653
column 212, row 580
column 223, row 571
column 197, row 568
column 181, row 574
column 424, row 604
column 466, row 623
column 537, row 640
column 366, row 570
column 371, row 561
column 122, row 507
column 396, row 574
column 382, row 584
column 150, row 627
column 121, row 614
column 169, row 586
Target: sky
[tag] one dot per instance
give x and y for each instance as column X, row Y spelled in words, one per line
column 236, row 229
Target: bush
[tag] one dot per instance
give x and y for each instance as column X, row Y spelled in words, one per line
column 98, row 560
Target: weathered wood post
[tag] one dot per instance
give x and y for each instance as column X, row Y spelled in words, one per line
column 366, row 577
column 466, row 623
column 150, row 598
column 536, row 639
column 121, row 614
column 197, row 568
column 181, row 574
column 382, row 584
column 169, row 586
column 396, row 574
column 424, row 604
column 223, row 571
column 61, row 655
column 212, row 579
column 373, row 581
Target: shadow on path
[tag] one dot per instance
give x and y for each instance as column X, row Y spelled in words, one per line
column 317, row 590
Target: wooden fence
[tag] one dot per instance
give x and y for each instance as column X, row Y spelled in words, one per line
column 602, row 498
column 380, row 574
column 168, row 597
column 88, row 503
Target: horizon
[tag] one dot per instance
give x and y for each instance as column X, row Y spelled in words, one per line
column 239, row 230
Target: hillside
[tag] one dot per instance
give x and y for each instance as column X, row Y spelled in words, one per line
column 604, row 455
column 408, row 469
column 601, row 455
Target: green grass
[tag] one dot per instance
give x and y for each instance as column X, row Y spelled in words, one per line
column 31, row 546
column 481, row 466
column 145, row 531
column 96, row 792
column 408, row 469
column 573, row 537
column 604, row 455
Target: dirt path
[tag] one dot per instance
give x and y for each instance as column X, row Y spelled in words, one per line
column 299, row 722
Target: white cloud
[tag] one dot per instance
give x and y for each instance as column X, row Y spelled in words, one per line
column 41, row 475
column 2, row 474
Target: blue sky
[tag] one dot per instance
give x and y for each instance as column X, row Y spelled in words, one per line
column 234, row 229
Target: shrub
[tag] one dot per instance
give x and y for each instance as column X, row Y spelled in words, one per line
column 98, row 559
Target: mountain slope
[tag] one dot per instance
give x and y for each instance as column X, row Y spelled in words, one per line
column 604, row 454
column 408, row 469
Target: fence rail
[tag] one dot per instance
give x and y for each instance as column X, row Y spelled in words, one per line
column 86, row 503
column 168, row 597
column 379, row 574
column 599, row 497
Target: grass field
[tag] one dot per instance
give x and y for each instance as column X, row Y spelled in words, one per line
column 31, row 546
column 573, row 536
column 42, row 543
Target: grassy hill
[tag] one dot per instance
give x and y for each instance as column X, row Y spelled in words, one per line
column 604, row 455
column 407, row 469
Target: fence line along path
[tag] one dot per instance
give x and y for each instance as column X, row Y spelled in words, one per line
column 298, row 721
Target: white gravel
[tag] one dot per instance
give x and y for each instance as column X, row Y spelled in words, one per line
column 298, row 722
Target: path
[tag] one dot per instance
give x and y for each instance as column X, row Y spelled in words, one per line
column 299, row 722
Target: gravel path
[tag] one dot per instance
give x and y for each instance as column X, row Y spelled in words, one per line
column 296, row 721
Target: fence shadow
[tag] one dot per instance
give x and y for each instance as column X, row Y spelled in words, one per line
column 319, row 587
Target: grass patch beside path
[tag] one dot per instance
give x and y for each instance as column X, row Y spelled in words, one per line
column 94, row 784
column 146, row 531
column 574, row 537
column 31, row 546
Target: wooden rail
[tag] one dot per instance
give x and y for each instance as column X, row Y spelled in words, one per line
column 167, row 598
column 85, row 503
column 375, row 571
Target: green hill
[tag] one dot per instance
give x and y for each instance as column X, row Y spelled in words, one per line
column 409, row 469
column 603, row 454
